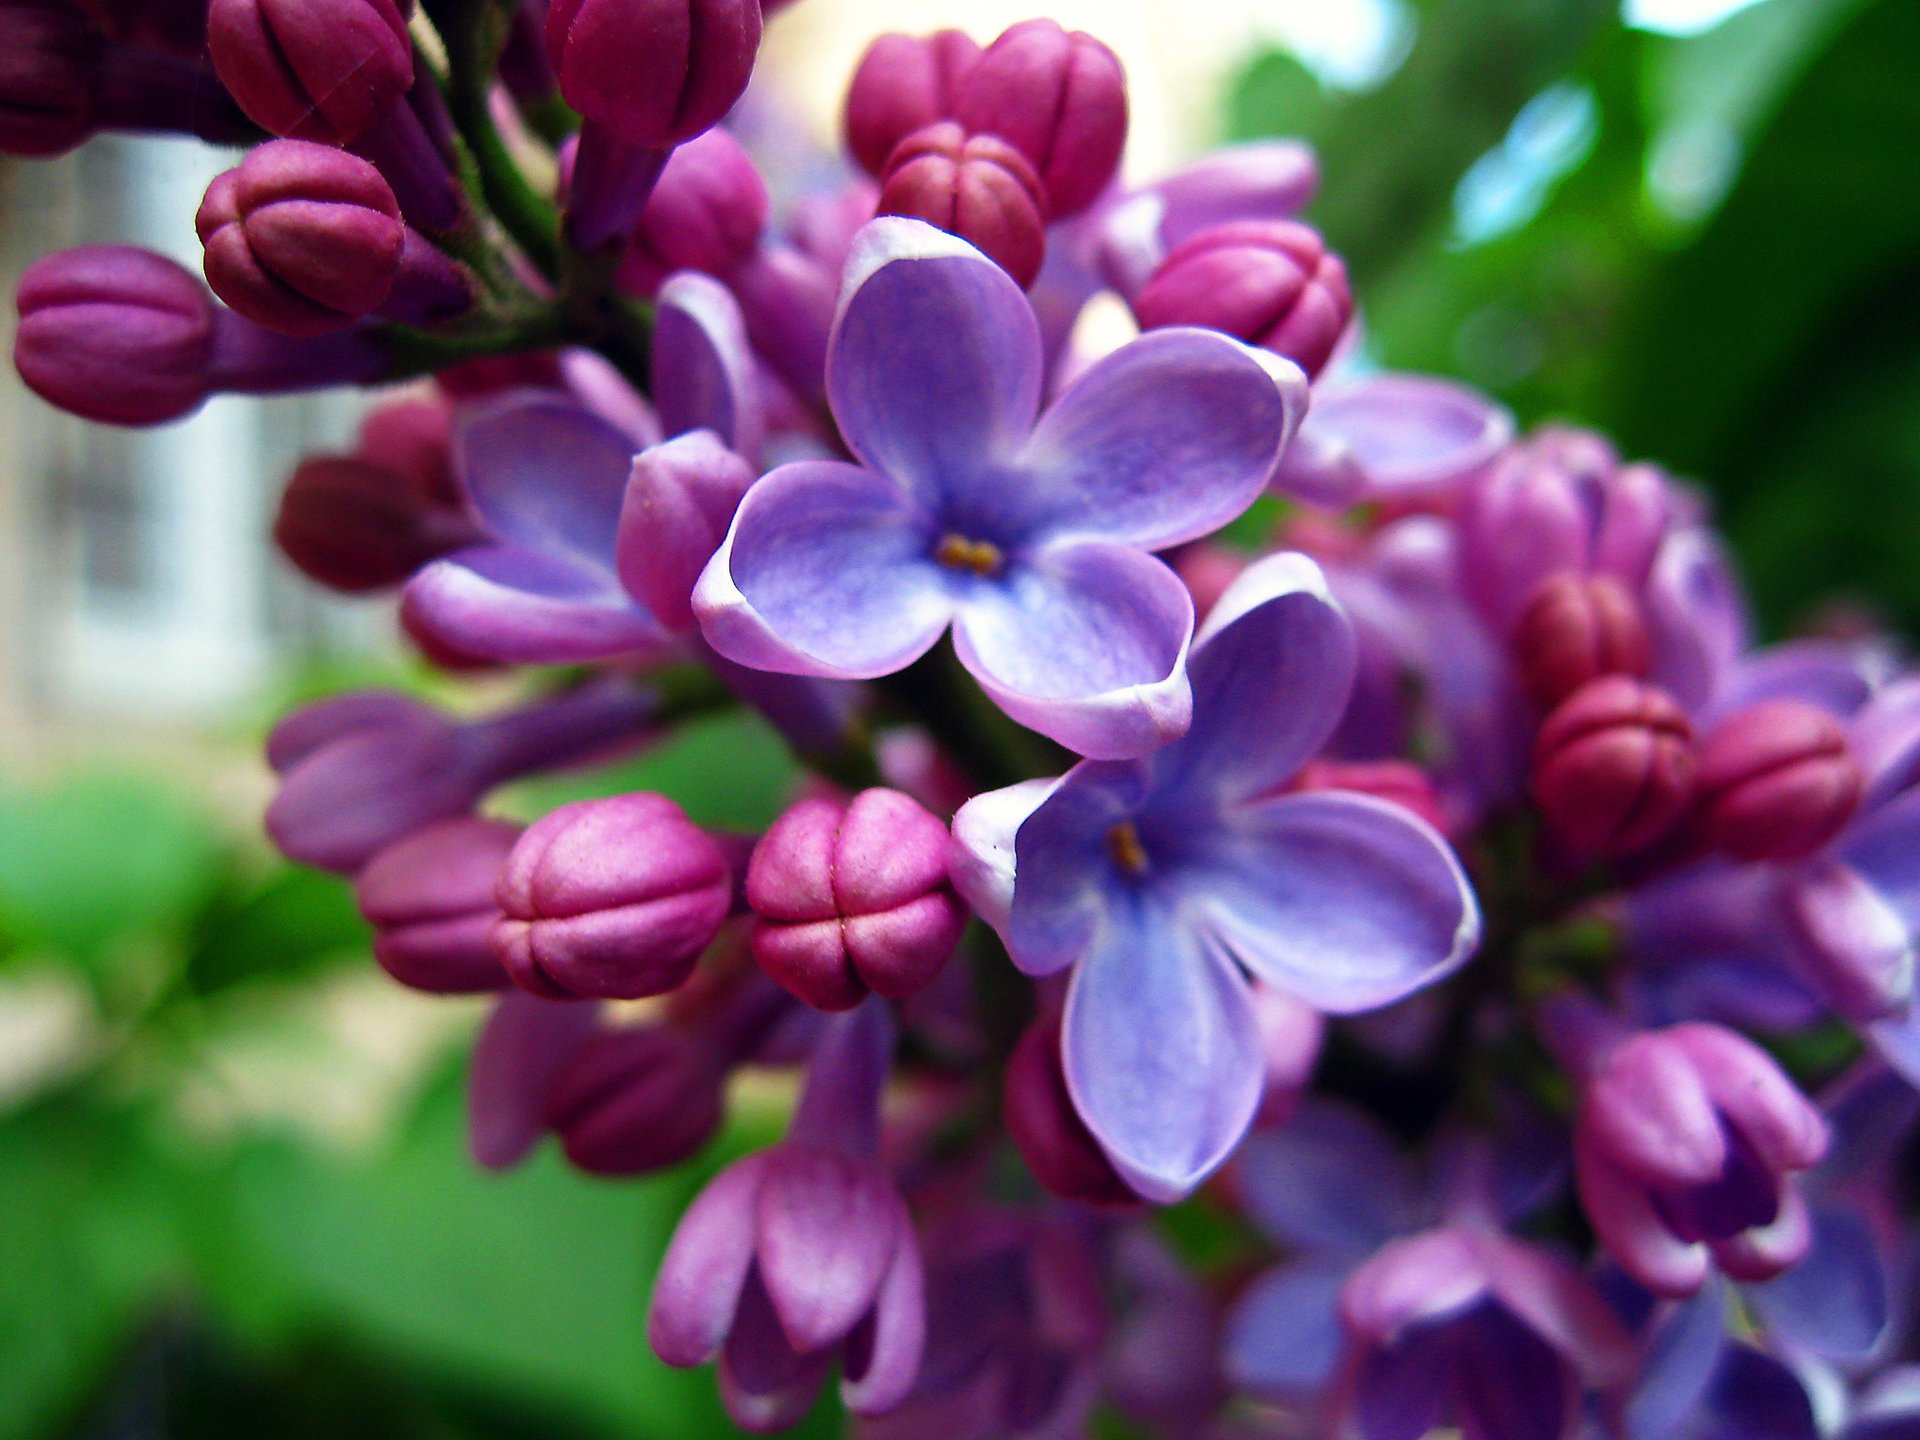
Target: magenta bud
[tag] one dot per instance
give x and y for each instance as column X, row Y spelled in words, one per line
column 115, row 334
column 354, row 526
column 611, row 899
column 323, row 70
column 1398, row 782
column 303, row 238
column 49, row 68
column 1270, row 283
column 1060, row 98
column 1577, row 628
column 1613, row 767
column 979, row 188
column 654, row 72
column 1046, row 1128
column 706, row 213
column 637, row 1100
column 903, row 84
column 680, row 501
column 852, row 897
column 413, row 437
column 1777, row 781
column 430, row 901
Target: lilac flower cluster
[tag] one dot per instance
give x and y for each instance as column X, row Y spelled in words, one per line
column 1431, row 894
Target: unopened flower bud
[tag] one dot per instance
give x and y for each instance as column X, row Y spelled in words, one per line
column 1047, row 1130
column 637, row 1100
column 612, row 899
column 1398, row 782
column 1613, row 767
column 1777, row 781
column 684, row 493
column 324, row 70
column 1270, row 283
column 1577, row 628
column 853, row 896
column 654, row 72
column 48, row 70
column 115, row 334
column 430, row 901
column 1060, row 98
column 353, row 526
column 979, row 188
column 903, row 84
column 706, row 213
column 303, row 238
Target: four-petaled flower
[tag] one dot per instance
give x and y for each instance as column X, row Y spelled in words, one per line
column 1166, row 881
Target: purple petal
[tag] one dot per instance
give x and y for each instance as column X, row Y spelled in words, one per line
column 827, row 571
column 308, row 729
column 1406, row 435
column 1162, row 441
column 1697, row 616
column 1883, row 847
column 1886, row 739
column 1161, row 1051
column 1857, row 949
column 1411, row 1283
column 1834, row 676
column 1509, row 1383
column 1400, row 1393
column 702, row 1278
column 765, row 1383
column 524, row 1045
column 517, row 605
column 883, row 1355
column 981, row 858
column 1064, row 881
column 1755, row 1395
column 1834, row 1301
column 1283, row 1336
column 1679, row 1367
column 933, row 372
column 546, row 474
column 829, row 1227
column 1085, row 643
column 1271, row 671
column 1559, row 1303
column 1330, row 1181
column 1341, row 900
column 681, row 499
column 349, row 799
column 703, row 368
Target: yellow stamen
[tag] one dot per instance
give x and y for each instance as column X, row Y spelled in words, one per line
column 1125, row 849
column 956, row 552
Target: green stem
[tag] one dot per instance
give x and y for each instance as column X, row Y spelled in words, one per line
column 935, row 692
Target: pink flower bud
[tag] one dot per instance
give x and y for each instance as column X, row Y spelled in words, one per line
column 1613, row 767
column 611, row 899
column 413, row 437
column 981, row 189
column 324, row 70
column 903, row 84
column 1777, row 781
column 853, row 896
column 353, row 526
column 637, row 1100
column 1575, row 629
column 683, row 495
column 1047, row 1130
column 115, row 334
column 654, row 72
column 1270, row 283
column 303, row 238
column 49, row 66
column 1398, row 782
column 430, row 901
column 1060, row 98
column 706, row 213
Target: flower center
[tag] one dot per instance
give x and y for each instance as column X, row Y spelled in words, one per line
column 978, row 557
column 1125, row 850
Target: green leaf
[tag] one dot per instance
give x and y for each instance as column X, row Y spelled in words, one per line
column 283, row 925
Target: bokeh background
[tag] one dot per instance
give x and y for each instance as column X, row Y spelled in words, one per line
column 234, row 1198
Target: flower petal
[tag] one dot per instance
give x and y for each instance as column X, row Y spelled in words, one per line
column 1283, row 1335
column 704, row 1274
column 933, row 371
column 1271, row 671
column 1085, row 643
column 1161, row 1051
column 981, row 857
column 829, row 1226
column 1402, row 435
column 1164, row 440
column 765, row 1384
column 1883, row 847
column 883, row 1355
column 1681, row 1358
column 1346, row 902
column 680, row 502
column 1330, row 1181
column 517, row 605
column 1835, row 1301
column 703, row 368
column 1064, row 881
column 546, row 474
column 826, row 571
column 523, row 1047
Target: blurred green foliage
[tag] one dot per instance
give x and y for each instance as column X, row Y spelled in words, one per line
column 1707, row 245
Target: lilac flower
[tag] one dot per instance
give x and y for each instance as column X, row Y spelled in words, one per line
column 802, row 1253
column 1163, row 882
column 1394, row 438
column 574, row 522
column 1026, row 534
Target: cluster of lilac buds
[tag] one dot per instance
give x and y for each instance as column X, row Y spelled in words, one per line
column 1439, row 893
